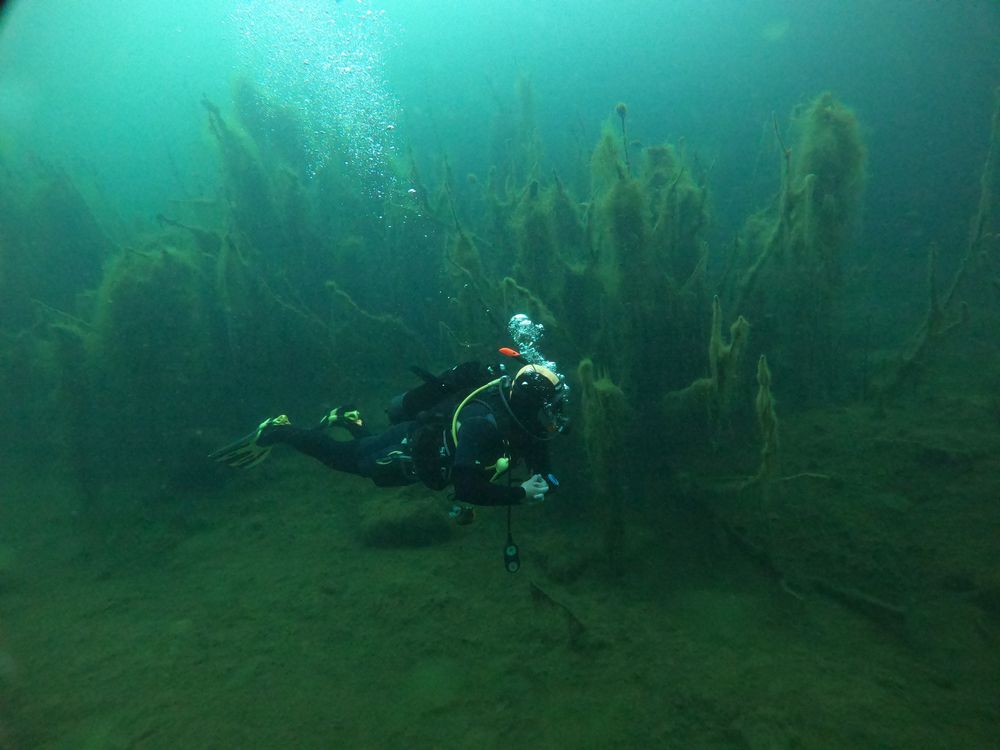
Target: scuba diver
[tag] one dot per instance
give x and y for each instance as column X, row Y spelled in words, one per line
column 467, row 427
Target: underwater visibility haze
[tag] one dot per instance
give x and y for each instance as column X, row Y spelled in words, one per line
column 748, row 254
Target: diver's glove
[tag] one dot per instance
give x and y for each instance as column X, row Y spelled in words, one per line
column 252, row 449
column 534, row 490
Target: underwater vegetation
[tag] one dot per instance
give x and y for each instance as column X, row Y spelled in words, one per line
column 270, row 286
column 710, row 377
column 793, row 270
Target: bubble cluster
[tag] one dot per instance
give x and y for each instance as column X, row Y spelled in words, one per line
column 526, row 334
column 325, row 60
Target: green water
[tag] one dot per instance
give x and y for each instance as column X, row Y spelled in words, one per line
column 763, row 243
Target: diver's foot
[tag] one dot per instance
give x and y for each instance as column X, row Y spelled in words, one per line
column 348, row 417
column 341, row 415
column 251, row 450
column 267, row 431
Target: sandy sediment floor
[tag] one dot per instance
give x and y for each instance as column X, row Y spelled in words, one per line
column 270, row 615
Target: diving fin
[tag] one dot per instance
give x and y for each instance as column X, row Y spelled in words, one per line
column 248, row 451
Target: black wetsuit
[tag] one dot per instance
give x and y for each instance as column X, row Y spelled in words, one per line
column 383, row 457
column 486, row 434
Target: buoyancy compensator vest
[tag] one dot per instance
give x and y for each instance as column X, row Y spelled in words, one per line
column 431, row 406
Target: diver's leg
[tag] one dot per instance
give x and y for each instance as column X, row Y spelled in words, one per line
column 385, row 458
column 340, row 455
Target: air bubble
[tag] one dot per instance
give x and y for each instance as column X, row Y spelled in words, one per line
column 337, row 99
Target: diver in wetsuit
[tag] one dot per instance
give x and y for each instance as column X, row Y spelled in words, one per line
column 467, row 439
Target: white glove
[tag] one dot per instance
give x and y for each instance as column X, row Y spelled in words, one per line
column 534, row 489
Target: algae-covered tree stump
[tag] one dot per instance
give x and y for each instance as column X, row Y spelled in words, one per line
column 603, row 433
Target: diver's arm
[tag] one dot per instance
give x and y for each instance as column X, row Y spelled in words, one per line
column 479, row 448
column 472, row 487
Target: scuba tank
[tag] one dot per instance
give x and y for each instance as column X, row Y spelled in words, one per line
column 449, row 385
column 431, row 407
